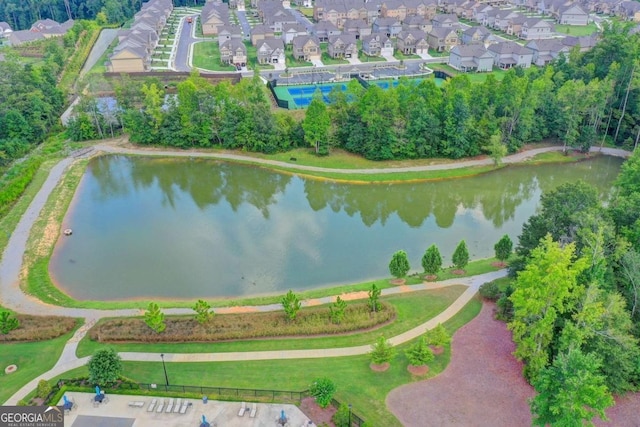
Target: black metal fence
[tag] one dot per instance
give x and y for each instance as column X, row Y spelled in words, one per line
column 231, row 393
column 355, row 418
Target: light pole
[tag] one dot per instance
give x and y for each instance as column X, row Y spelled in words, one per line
column 349, row 414
column 166, row 378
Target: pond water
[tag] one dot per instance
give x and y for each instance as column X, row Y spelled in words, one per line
column 189, row 228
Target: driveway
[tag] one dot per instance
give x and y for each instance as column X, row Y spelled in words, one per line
column 244, row 23
column 183, row 47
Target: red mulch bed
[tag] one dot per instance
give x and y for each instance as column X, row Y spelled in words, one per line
column 498, row 264
column 458, row 272
column 418, row 370
column 482, row 386
column 379, row 367
column 624, row 414
column 315, row 413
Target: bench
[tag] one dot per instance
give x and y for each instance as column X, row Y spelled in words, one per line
column 254, row 409
column 243, row 409
column 136, row 404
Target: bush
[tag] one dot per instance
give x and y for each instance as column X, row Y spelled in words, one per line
column 44, row 388
column 399, row 264
column 291, row 305
column 503, row 248
column 8, row 322
column 323, row 390
column 419, row 354
column 438, row 336
column 16, row 181
column 432, row 260
column 104, row 367
column 341, row 417
column 490, row 291
column 154, row 318
column 382, row 351
column 461, row 255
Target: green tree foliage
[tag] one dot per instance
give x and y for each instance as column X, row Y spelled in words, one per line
column 432, row 260
column 503, row 248
column 341, row 417
column 44, row 388
column 104, row 367
column 154, row 318
column 337, row 309
column 382, row 351
column 323, row 389
column 374, row 298
column 204, row 314
column 316, row 125
column 438, row 336
column 544, row 291
column 291, row 305
column 570, row 391
column 496, row 149
column 8, row 322
column 461, row 255
column 399, row 264
column 419, row 354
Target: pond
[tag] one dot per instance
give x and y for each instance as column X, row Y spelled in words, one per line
column 195, row 228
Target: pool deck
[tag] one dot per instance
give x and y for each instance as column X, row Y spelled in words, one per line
column 117, row 411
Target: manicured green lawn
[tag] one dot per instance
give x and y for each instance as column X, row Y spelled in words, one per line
column 33, row 359
column 252, row 58
column 327, row 60
column 292, row 63
column 412, row 310
column 366, row 58
column 206, row 55
column 306, row 11
column 357, row 384
column 400, row 56
column 576, row 30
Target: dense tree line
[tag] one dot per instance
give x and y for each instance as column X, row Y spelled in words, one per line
column 573, row 306
column 581, row 100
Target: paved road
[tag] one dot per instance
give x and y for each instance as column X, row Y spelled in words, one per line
column 303, row 20
column 99, row 48
column 246, row 28
column 185, row 44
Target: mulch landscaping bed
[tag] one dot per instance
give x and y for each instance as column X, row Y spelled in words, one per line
column 317, row 414
column 39, row 328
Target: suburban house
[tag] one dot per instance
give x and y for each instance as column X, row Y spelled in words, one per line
column 565, row 12
column 417, row 22
column 502, row 18
column 306, row 48
column 479, row 35
column 325, row 29
column 228, row 32
column 260, row 32
column 17, row 38
column 411, row 42
column 343, row 46
column 442, row 39
column 628, row 10
column 536, row 28
column 377, row 45
column 214, row 14
column 129, row 59
column 289, row 31
column 546, row 50
column 480, row 12
column 270, row 51
column 41, row 29
column 400, row 9
column 357, row 27
column 233, row 52
column 514, row 26
column 389, row 26
column 278, row 19
column 445, row 20
column 5, row 29
column 473, row 57
column 509, row 54
column 585, row 43
column 338, row 11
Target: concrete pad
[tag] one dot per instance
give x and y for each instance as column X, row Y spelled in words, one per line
column 117, row 413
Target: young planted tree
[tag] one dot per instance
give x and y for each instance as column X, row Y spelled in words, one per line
column 374, row 298
column 432, row 260
column 461, row 256
column 8, row 322
column 104, row 367
column 437, row 337
column 44, row 388
column 291, row 305
column 419, row 354
column 382, row 351
column 323, row 390
column 503, row 248
column 399, row 265
column 154, row 318
column 203, row 311
column 336, row 310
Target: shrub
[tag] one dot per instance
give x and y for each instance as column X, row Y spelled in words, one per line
column 490, row 291
column 374, row 298
column 291, row 305
column 104, row 367
column 432, row 260
column 399, row 264
column 438, row 336
column 44, row 388
column 154, row 318
column 8, row 322
column 382, row 351
column 503, row 248
column 461, row 255
column 203, row 311
column 337, row 309
column 419, row 354
column 341, row 417
column 323, row 390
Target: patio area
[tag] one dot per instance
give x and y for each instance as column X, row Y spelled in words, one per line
column 133, row 411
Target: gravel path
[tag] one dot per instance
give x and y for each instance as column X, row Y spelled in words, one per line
column 482, row 386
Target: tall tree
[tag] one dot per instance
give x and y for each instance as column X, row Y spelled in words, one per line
column 316, row 124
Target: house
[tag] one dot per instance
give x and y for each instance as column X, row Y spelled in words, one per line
column 343, row 46
column 5, row 30
column 546, row 50
column 17, row 38
column 278, row 19
column 536, row 28
column 306, row 48
column 357, row 27
column 129, row 59
column 228, row 32
column 417, row 22
column 478, row 35
column 473, row 57
column 214, row 14
column 325, row 29
column 585, row 43
column 400, row 9
column 628, row 10
column 411, row 42
column 502, row 18
column 509, row 54
column 270, row 51
column 289, row 31
column 261, row 32
column 480, row 12
column 568, row 13
column 514, row 26
column 377, row 44
column 233, row 52
column 338, row 11
column 445, row 20
column 389, row 26
column 442, row 39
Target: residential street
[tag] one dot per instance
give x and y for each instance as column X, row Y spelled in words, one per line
column 184, row 44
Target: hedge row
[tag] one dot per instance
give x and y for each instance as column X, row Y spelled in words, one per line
column 16, row 181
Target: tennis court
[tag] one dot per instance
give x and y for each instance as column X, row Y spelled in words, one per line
column 300, row 96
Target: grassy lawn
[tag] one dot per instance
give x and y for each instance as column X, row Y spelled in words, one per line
column 252, row 58
column 206, row 55
column 412, row 310
column 327, row 60
column 33, row 359
column 306, row 11
column 576, row 30
column 366, row 58
column 356, row 383
column 292, row 63
column 400, row 56
column 437, row 54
